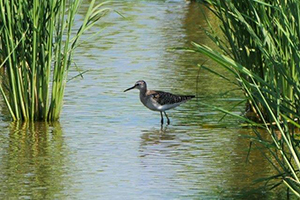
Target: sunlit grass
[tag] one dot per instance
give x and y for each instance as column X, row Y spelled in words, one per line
column 36, row 46
column 260, row 47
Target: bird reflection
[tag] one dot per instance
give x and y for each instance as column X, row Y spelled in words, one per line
column 158, row 141
column 156, row 136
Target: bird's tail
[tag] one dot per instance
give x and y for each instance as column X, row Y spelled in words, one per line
column 190, row 96
column 187, row 97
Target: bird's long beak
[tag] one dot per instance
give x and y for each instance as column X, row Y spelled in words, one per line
column 130, row 88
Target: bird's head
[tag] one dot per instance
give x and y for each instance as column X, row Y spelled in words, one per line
column 141, row 85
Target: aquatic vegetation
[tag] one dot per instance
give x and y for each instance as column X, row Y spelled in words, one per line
column 36, row 46
column 260, row 48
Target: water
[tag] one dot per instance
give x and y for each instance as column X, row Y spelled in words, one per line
column 108, row 146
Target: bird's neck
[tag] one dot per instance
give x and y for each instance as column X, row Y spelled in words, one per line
column 143, row 92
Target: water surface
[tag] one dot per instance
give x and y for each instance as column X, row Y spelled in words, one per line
column 108, row 146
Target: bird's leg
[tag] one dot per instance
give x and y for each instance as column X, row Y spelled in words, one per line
column 162, row 118
column 167, row 118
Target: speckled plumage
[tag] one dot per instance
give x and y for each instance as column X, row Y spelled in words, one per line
column 159, row 100
column 163, row 98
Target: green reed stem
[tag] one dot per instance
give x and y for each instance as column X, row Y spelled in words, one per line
column 261, row 49
column 37, row 42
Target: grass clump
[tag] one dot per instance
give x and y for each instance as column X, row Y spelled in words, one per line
column 36, row 46
column 260, row 47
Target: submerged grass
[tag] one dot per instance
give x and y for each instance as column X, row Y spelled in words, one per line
column 36, row 46
column 260, row 47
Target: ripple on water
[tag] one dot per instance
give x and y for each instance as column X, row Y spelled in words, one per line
column 108, row 145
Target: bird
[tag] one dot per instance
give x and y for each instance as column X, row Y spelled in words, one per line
column 159, row 100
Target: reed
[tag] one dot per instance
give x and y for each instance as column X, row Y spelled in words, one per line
column 260, row 48
column 37, row 43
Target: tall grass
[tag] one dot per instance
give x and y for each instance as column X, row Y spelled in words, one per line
column 260, row 47
column 37, row 44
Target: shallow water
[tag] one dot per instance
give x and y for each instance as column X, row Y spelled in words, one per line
column 108, row 146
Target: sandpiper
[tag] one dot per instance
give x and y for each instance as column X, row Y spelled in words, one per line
column 158, row 100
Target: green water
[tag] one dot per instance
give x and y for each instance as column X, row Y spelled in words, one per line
column 108, row 146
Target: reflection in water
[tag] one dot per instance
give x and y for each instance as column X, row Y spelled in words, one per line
column 156, row 136
column 208, row 163
column 102, row 152
column 32, row 162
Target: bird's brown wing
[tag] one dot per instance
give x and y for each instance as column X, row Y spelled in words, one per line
column 167, row 98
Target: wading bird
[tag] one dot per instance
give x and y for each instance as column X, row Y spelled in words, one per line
column 158, row 100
